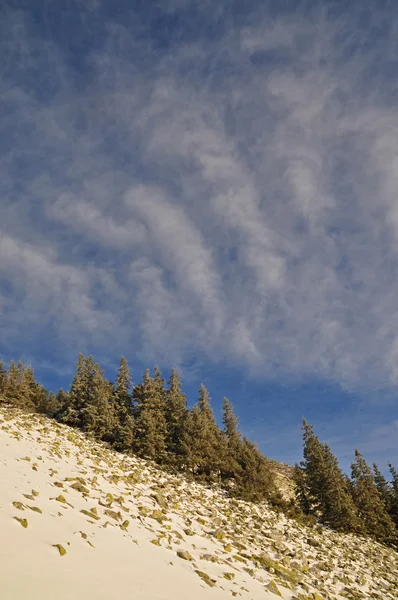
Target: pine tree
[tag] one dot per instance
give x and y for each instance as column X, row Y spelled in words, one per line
column 383, row 487
column 3, row 378
column 11, row 391
column 255, row 482
column 70, row 412
column 123, row 435
column 234, row 441
column 327, row 490
column 48, row 404
column 302, row 491
column 88, row 404
column 30, row 392
column 206, row 445
column 230, row 421
column 369, row 502
column 394, row 494
column 20, row 387
column 150, row 419
column 176, row 415
column 97, row 414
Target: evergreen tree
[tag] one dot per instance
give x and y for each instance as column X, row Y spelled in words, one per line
column 48, row 404
column 327, row 491
column 150, row 419
column 176, row 415
column 30, row 393
column 20, row 387
column 230, row 421
column 371, row 508
column 123, row 435
column 255, row 481
column 71, row 410
column 88, row 404
column 394, row 494
column 302, row 491
column 383, row 487
column 231, row 466
column 62, row 401
column 98, row 415
column 206, row 444
column 3, row 377
column 12, row 385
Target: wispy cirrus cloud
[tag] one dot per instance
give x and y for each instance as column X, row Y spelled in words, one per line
column 230, row 195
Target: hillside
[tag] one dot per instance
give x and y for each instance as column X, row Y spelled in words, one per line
column 78, row 520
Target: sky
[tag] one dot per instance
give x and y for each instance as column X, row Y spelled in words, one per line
column 210, row 186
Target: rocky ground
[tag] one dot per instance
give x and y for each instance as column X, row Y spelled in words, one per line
column 78, row 520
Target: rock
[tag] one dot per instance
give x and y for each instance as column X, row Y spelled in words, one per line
column 184, row 554
column 209, row 557
column 273, row 588
column 219, row 534
column 90, row 514
column 23, row 522
column 160, row 499
column 206, row 578
column 60, row 548
column 157, row 515
column 155, row 542
column 61, row 499
column 114, row 515
column 79, row 487
column 313, row 542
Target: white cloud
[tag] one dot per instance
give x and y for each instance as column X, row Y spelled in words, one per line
column 87, row 219
column 43, row 289
column 231, row 197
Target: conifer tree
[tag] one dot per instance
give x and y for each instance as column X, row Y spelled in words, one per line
column 230, row 422
column 255, row 481
column 21, row 388
column 62, row 400
column 3, row 378
column 394, row 494
column 175, row 414
column 302, row 491
column 71, row 410
column 234, row 441
column 98, row 417
column 371, row 508
column 327, row 489
column 206, row 444
column 150, row 419
column 48, row 404
column 123, row 435
column 30, row 393
column 383, row 487
column 88, row 406
column 12, row 385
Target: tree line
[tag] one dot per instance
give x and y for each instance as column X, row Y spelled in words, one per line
column 152, row 419
column 365, row 503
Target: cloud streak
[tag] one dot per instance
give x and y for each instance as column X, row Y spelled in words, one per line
column 230, row 196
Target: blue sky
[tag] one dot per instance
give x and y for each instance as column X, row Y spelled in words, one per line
column 211, row 186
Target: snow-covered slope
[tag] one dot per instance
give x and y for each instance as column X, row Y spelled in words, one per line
column 79, row 521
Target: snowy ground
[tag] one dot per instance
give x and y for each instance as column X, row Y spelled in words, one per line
column 131, row 531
